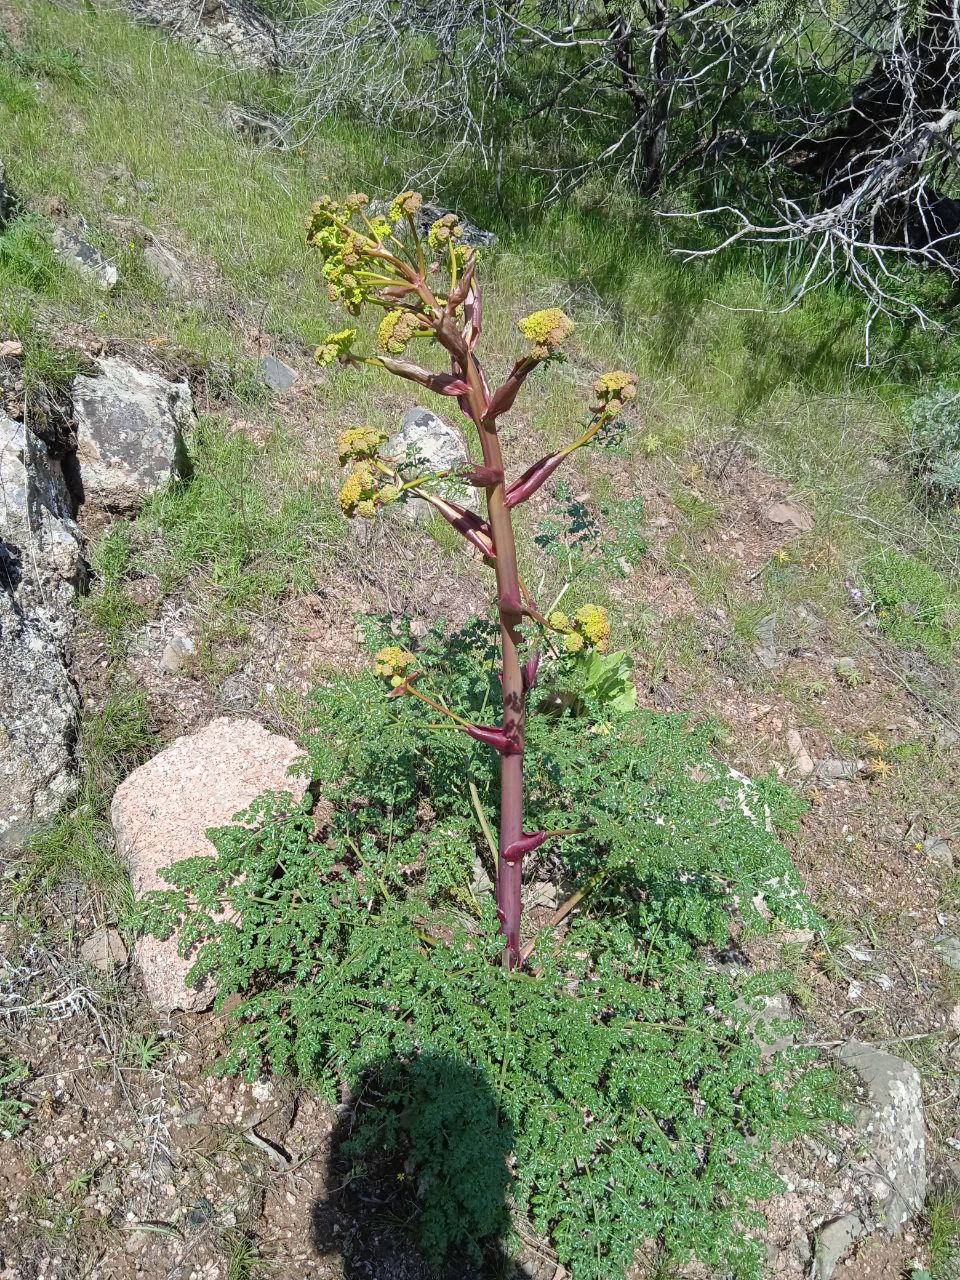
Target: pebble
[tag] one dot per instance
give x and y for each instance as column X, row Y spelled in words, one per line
column 802, row 759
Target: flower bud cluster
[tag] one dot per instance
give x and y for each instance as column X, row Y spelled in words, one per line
column 392, row 663
column 396, row 329
column 359, row 442
column 335, row 346
column 589, row 628
column 615, row 389
column 444, row 231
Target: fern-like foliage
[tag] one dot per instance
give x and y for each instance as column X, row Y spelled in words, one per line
column 617, row 1067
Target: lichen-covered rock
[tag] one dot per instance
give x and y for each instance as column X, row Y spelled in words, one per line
column 235, row 30
column 430, row 444
column 162, row 812
column 130, row 426
column 72, row 248
column 40, row 569
column 892, row 1140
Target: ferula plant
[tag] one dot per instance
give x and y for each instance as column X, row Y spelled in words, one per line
column 430, row 296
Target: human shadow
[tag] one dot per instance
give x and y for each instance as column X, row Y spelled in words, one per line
column 418, row 1180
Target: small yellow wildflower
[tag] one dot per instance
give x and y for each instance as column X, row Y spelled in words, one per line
column 547, row 330
column 616, row 388
column 443, row 231
column 559, row 621
column 573, row 642
column 594, row 625
column 392, row 662
column 359, row 442
column 395, row 331
column 334, row 346
column 781, row 556
column 874, row 744
column 406, row 202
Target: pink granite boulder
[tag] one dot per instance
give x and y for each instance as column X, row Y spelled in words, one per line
column 161, row 815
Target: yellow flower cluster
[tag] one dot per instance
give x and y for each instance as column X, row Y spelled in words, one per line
column 359, row 442
column 363, row 493
column 344, row 249
column 392, row 662
column 395, row 331
column 443, row 231
column 334, row 346
column 588, row 628
column 547, row 330
column 616, row 388
column 406, row 202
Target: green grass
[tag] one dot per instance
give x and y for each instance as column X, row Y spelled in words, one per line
column 914, row 604
column 943, row 1223
column 78, row 844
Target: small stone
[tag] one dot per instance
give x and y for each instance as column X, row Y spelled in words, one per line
column 175, row 651
column 790, row 513
column 834, row 1241
column 766, row 650
column 277, row 375
column 845, row 668
column 72, row 248
column 837, row 770
column 938, row 852
column 104, row 950
column 954, row 1019
column 947, row 949
column 803, row 761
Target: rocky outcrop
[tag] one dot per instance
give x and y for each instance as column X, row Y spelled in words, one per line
column 130, row 427
column 163, row 811
column 235, row 30
column 430, row 444
column 40, row 569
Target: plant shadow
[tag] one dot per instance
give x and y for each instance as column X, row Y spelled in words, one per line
column 418, row 1176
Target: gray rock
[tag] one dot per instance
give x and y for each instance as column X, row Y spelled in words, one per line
column 235, row 30
column 72, row 248
column 766, row 649
column 892, row 1139
column 130, row 427
column 938, row 852
column 166, row 267
column 277, row 375
column 845, row 668
column 837, row 770
column 7, row 199
column 792, row 514
column 40, row 569
column 947, row 949
column 430, row 444
column 473, row 235
column 834, row 1241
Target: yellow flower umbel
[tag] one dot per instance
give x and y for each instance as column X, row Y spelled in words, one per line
column 359, row 442
column 334, row 346
column 547, row 330
column 443, row 231
column 395, row 331
column 589, row 628
column 392, row 664
column 615, row 389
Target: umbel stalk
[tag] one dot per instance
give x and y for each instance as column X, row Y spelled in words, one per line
column 383, row 262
